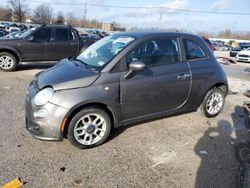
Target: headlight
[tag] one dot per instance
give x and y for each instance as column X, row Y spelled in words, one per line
column 43, row 96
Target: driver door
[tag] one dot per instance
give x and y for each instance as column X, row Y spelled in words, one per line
column 161, row 86
column 37, row 46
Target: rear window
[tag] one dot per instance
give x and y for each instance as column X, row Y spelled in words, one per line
column 193, row 50
column 63, row 34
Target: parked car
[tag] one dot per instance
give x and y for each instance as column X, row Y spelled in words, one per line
column 90, row 36
column 122, row 79
column 23, row 27
column 234, row 51
column 243, row 55
column 46, row 43
column 12, row 28
column 2, row 32
column 3, row 25
column 95, row 32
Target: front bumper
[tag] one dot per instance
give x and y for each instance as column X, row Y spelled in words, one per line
column 245, row 59
column 48, row 128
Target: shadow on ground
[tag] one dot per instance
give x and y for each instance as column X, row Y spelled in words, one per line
column 219, row 166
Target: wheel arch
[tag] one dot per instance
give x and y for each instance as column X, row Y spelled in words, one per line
column 76, row 109
column 12, row 52
column 223, row 86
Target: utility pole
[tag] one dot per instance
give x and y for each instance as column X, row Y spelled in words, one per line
column 160, row 15
column 160, row 18
column 85, row 14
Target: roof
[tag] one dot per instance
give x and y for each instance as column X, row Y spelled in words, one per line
column 152, row 34
column 56, row 26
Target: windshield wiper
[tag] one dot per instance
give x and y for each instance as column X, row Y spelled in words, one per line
column 80, row 61
column 87, row 65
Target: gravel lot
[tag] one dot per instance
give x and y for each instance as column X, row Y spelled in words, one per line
column 179, row 151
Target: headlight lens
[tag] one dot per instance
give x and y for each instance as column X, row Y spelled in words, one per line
column 43, row 96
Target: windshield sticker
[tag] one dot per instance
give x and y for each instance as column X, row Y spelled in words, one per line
column 124, row 40
column 101, row 63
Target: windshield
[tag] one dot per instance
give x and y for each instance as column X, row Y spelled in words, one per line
column 101, row 52
column 26, row 33
column 14, row 34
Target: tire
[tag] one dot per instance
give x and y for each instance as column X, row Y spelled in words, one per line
column 211, row 108
column 8, row 62
column 89, row 128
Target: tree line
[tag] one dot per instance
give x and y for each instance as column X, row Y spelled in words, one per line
column 19, row 11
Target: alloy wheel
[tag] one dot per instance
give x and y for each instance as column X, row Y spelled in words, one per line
column 90, row 129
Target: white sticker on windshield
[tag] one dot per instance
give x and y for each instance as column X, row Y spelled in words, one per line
column 101, row 63
column 124, row 40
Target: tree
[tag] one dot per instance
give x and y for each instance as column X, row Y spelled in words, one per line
column 227, row 33
column 5, row 14
column 18, row 9
column 42, row 14
column 60, row 18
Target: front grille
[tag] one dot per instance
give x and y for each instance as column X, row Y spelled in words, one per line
column 242, row 55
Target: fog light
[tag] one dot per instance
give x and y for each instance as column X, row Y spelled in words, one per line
column 41, row 113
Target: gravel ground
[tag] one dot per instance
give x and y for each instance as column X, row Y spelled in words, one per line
column 178, row 151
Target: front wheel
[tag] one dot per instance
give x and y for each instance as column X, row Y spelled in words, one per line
column 8, row 62
column 89, row 128
column 213, row 103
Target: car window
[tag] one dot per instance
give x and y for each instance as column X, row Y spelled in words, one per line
column 193, row 50
column 62, row 34
column 156, row 52
column 42, row 35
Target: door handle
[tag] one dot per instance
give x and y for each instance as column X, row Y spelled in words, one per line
column 184, row 76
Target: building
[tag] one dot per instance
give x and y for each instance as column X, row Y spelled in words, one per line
column 112, row 27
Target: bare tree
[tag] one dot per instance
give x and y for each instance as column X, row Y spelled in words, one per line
column 72, row 20
column 60, row 18
column 18, row 9
column 5, row 14
column 42, row 14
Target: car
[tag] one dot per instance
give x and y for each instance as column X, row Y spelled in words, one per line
column 2, row 33
column 12, row 28
column 45, row 43
column 234, row 51
column 243, row 55
column 3, row 25
column 95, row 32
column 122, row 79
column 23, row 27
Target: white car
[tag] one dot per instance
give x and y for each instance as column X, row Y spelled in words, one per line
column 243, row 55
column 12, row 28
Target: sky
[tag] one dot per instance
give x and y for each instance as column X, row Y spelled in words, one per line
column 150, row 17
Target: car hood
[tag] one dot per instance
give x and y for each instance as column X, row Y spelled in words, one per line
column 244, row 52
column 66, row 75
column 3, row 39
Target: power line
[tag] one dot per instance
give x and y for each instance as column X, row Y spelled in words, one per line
column 140, row 7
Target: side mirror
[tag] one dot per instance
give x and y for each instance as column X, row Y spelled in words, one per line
column 31, row 39
column 134, row 66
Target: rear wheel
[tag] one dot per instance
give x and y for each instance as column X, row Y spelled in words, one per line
column 8, row 62
column 213, row 103
column 89, row 128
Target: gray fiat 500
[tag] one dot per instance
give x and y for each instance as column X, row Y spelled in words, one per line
column 122, row 79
